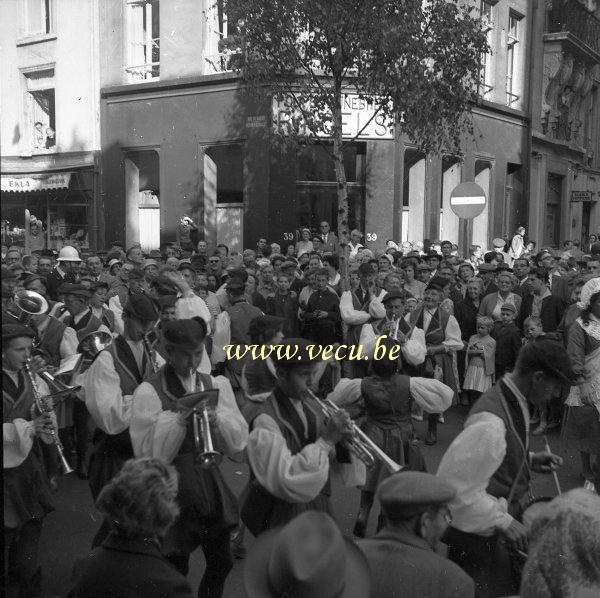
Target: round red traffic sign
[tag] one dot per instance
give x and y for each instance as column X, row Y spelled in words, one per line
column 467, row 200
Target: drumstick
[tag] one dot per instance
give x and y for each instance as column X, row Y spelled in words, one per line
column 554, row 474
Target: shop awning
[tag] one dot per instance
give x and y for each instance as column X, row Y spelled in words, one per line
column 38, row 182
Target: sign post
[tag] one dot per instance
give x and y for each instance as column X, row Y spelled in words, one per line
column 467, row 201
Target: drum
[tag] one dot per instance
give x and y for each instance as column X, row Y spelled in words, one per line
column 534, row 508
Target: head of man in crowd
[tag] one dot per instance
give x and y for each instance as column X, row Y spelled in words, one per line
column 465, row 273
column 355, row 236
column 521, row 268
column 150, row 268
column 423, row 272
column 393, row 281
column 45, row 265
column 136, row 281
column 94, row 265
column 188, row 273
column 433, row 294
column 593, row 267
column 12, row 257
column 446, row 249
column 139, row 316
column 367, row 276
column 262, row 243
column 135, row 256
column 546, row 261
column 538, row 280
column 76, row 297
column 184, row 344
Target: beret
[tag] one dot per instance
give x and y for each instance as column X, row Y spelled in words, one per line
column 509, row 307
column 409, row 493
column 294, row 353
column 185, row 334
column 366, row 269
column 393, row 295
column 10, row 330
column 74, row 289
column 140, row 306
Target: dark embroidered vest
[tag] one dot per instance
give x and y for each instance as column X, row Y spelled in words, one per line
column 353, row 335
column 436, row 333
column 509, row 411
column 241, row 314
column 387, row 400
column 50, row 342
column 16, row 401
column 126, row 366
column 89, row 323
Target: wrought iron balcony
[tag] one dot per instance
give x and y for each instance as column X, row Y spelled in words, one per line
column 572, row 17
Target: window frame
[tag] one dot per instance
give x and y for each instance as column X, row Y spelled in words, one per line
column 514, row 46
column 486, row 60
column 142, row 72
column 47, row 24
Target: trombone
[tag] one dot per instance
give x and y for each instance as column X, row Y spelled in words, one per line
column 206, row 456
column 44, row 405
column 358, row 442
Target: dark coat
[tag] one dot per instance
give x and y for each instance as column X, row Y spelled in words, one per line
column 54, row 280
column 403, row 564
column 123, row 568
column 508, row 345
column 551, row 313
column 466, row 313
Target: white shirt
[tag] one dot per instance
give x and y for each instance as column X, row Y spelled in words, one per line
column 452, row 338
column 68, row 343
column 413, row 350
column 470, row 462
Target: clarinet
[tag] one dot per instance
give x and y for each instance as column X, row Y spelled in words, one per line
column 45, row 406
column 150, row 353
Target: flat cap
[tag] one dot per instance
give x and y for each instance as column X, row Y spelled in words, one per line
column 10, row 330
column 409, row 493
column 140, row 306
column 486, row 267
column 294, row 352
column 508, row 307
column 366, row 269
column 437, row 283
column 424, row 266
column 185, row 334
column 78, row 290
column 393, row 295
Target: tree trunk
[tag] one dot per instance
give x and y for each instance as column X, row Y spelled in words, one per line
column 342, row 188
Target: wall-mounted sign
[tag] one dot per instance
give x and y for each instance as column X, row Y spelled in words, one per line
column 581, row 196
column 56, row 180
column 359, row 119
column 256, row 122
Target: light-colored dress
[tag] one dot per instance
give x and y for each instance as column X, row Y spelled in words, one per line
column 479, row 375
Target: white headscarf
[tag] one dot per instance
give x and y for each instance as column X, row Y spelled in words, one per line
column 590, row 288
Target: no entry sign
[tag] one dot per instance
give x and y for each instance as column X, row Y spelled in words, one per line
column 467, row 200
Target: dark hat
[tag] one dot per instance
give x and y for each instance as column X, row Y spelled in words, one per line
column 307, row 557
column 502, row 267
column 547, row 356
column 394, row 295
column 423, row 266
column 409, row 493
column 240, row 273
column 74, row 289
column 185, row 334
column 437, row 283
column 140, row 306
column 235, row 285
column 167, row 301
column 185, row 265
column 366, row 269
column 155, row 254
column 485, row 267
column 29, row 278
column 117, row 244
column 294, row 352
column 10, row 330
column 508, row 307
column 433, row 253
column 136, row 274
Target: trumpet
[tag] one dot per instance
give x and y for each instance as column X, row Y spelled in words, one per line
column 358, row 442
column 150, row 353
column 45, row 406
column 207, row 456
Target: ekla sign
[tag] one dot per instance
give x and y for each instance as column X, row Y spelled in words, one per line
column 359, row 119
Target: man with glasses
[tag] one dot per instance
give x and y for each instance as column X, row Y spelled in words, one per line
column 329, row 239
column 404, row 553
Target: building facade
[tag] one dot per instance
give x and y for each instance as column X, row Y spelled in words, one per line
column 50, row 128
column 180, row 136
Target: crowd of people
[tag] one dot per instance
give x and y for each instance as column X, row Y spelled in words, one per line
column 511, row 336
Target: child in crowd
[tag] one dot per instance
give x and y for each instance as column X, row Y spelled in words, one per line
column 508, row 340
column 284, row 305
column 532, row 329
column 481, row 350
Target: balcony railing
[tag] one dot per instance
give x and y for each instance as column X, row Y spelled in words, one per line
column 570, row 16
column 218, row 63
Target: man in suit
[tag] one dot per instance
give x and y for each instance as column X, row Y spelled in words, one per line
column 96, row 271
column 405, row 553
column 541, row 303
column 330, row 241
column 66, row 270
column 521, row 269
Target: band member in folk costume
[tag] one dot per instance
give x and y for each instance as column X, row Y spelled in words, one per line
column 293, row 450
column 27, row 493
column 387, row 395
column 161, row 427
column 396, row 328
column 107, row 388
column 442, row 338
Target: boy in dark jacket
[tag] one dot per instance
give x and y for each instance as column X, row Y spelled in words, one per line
column 508, row 340
column 284, row 304
column 322, row 316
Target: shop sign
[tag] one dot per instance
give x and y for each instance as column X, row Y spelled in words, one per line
column 359, row 118
column 57, row 180
column 581, row 196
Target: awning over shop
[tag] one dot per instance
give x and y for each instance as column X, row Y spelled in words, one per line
column 39, row 182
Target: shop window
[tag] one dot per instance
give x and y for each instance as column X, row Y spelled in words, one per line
column 514, row 68
column 143, row 27
column 487, row 11
column 316, row 187
column 38, row 17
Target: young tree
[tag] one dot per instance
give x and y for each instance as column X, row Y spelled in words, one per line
column 416, row 61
